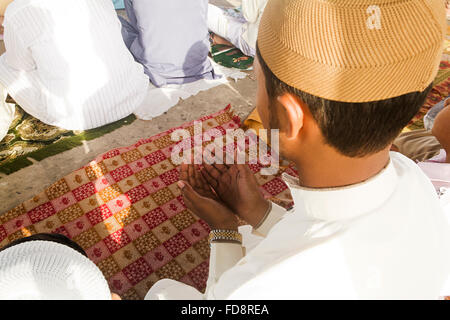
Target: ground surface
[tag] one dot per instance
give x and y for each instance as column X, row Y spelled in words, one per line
column 24, row 184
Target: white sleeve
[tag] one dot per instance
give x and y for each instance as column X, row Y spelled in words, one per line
column 223, row 257
column 274, row 216
column 18, row 56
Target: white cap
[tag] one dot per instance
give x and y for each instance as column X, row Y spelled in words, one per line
column 48, row 270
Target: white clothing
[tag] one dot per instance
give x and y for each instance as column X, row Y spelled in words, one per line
column 67, row 65
column 241, row 31
column 6, row 113
column 46, row 270
column 385, row 238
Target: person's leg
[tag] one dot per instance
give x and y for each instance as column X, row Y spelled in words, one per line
column 129, row 28
column 217, row 21
column 226, row 29
column 418, row 145
column 129, row 33
column 129, row 9
column 428, row 119
column 441, row 128
column 245, row 47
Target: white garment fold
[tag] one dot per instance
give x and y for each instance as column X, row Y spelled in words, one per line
column 384, row 238
column 6, row 113
column 160, row 100
column 67, row 65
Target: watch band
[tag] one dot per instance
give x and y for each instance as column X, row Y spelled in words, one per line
column 225, row 235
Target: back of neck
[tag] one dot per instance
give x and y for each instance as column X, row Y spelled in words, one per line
column 331, row 169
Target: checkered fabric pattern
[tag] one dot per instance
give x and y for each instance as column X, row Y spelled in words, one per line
column 126, row 211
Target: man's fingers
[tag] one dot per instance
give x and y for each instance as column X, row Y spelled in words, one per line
column 212, row 182
column 191, row 175
column 212, row 171
column 203, row 180
column 244, row 170
column 189, row 203
column 200, row 181
column 188, row 192
column 184, row 172
column 221, row 167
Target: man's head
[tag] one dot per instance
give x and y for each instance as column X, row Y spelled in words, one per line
column 50, row 266
column 352, row 129
column 327, row 77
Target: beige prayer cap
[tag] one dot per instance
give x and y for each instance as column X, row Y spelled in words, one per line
column 353, row 50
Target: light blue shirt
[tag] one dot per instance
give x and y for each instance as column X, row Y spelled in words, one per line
column 169, row 38
column 118, row 4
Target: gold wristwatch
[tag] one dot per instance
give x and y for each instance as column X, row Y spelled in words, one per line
column 219, row 235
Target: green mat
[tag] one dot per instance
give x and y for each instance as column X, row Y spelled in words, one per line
column 231, row 57
column 30, row 138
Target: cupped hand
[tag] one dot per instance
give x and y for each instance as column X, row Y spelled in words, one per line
column 236, row 187
column 200, row 199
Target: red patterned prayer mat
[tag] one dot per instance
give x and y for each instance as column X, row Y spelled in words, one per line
column 125, row 209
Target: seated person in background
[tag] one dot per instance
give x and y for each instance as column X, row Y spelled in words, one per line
column 1, row 28
column 441, row 130
column 431, row 149
column 367, row 223
column 27, row 265
column 240, row 31
column 169, row 38
column 66, row 63
column 428, row 145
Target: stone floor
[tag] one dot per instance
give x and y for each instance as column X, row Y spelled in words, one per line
column 24, row 184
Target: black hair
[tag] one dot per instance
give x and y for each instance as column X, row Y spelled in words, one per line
column 353, row 129
column 54, row 237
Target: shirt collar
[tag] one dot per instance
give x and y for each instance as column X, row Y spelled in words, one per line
column 347, row 202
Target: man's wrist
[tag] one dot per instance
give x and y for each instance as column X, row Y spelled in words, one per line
column 225, row 235
column 229, row 224
column 262, row 211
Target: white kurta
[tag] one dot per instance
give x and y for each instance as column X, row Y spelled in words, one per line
column 67, row 65
column 241, row 31
column 385, row 238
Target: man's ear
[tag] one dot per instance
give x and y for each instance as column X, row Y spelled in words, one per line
column 294, row 112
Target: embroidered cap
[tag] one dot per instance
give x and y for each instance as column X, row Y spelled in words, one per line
column 45, row 270
column 353, row 50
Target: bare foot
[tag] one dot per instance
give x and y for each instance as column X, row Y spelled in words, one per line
column 219, row 40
